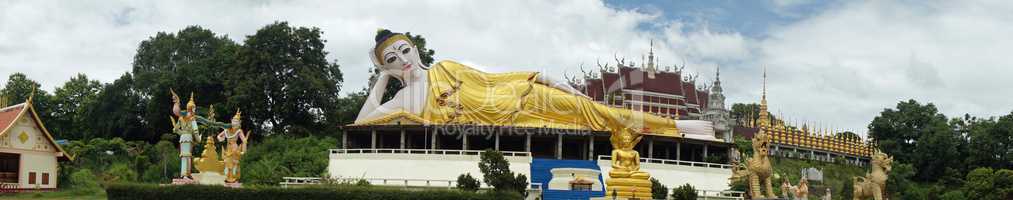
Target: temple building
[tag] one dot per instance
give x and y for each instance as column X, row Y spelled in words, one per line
column 28, row 152
column 669, row 93
column 791, row 140
column 645, row 88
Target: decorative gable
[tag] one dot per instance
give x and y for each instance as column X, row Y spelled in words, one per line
column 20, row 128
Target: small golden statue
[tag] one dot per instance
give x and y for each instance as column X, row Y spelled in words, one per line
column 874, row 182
column 233, row 151
column 802, row 191
column 208, row 161
column 626, row 179
column 757, row 169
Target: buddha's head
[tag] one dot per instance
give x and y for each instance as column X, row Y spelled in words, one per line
column 395, row 54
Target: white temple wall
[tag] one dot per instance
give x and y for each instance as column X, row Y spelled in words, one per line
column 415, row 167
column 38, row 162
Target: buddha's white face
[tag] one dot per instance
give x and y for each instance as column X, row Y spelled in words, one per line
column 401, row 59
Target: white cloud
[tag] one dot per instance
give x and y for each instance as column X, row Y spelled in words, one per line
column 841, row 66
column 847, row 64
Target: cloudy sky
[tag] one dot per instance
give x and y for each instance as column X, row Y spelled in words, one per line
column 837, row 63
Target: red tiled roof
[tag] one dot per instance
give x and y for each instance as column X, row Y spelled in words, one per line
column 10, row 114
column 663, row 82
column 690, row 90
column 704, row 96
column 637, row 79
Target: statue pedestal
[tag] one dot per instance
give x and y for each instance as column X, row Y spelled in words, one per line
column 183, row 181
column 233, row 185
column 209, row 178
column 628, row 188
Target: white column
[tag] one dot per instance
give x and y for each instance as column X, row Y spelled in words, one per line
column 344, row 140
column 559, row 146
column 678, row 150
column 433, row 145
column 464, row 141
column 402, row 137
column 372, row 139
column 527, row 142
column 497, row 141
column 650, row 147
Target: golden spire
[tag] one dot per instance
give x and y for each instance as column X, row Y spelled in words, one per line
column 30, row 96
column 764, row 118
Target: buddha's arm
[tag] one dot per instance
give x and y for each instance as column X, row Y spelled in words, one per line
column 636, row 161
column 558, row 84
column 373, row 100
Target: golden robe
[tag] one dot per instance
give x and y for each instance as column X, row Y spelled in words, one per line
column 462, row 95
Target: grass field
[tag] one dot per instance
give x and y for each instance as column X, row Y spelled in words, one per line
column 59, row 195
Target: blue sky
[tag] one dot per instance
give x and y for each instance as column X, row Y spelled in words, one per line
column 750, row 18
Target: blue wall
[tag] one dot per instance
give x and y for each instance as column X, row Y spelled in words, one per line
column 541, row 173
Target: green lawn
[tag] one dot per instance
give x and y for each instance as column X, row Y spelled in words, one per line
column 58, row 195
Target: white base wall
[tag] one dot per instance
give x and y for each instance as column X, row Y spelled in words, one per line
column 415, row 167
column 38, row 162
column 701, row 178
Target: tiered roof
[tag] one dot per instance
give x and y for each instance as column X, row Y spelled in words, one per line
column 638, row 79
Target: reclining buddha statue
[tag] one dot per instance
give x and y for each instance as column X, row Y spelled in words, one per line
column 448, row 92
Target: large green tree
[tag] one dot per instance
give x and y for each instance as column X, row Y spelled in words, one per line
column 991, row 139
column 70, row 104
column 283, row 82
column 193, row 60
column 19, row 87
column 118, row 112
column 918, row 134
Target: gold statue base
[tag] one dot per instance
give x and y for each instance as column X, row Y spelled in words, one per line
column 628, row 188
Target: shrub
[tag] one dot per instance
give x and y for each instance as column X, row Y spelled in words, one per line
column 658, row 190
column 120, row 172
column 953, row 195
column 266, row 162
column 684, row 192
column 84, row 180
column 496, row 173
column 176, row 192
column 1004, row 183
column 467, row 183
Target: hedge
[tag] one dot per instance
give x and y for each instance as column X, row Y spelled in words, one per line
column 185, row 192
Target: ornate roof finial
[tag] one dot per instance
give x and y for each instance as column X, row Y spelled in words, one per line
column 764, row 120
column 717, row 73
column 31, row 96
